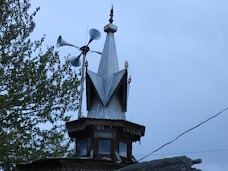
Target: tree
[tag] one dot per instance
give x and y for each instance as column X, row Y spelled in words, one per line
column 36, row 90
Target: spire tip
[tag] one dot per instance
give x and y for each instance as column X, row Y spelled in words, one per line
column 111, row 15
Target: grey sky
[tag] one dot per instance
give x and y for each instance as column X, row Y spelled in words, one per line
column 178, row 56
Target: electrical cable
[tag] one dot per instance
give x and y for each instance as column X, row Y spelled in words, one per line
column 184, row 133
column 189, row 152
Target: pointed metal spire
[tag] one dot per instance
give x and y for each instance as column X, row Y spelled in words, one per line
column 107, row 90
column 109, row 62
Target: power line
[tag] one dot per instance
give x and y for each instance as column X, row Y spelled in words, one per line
column 190, row 152
column 184, row 133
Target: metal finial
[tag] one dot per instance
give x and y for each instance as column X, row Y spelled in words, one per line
column 126, row 64
column 111, row 15
column 129, row 80
column 86, row 64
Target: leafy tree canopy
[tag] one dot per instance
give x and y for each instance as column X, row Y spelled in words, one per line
column 36, row 89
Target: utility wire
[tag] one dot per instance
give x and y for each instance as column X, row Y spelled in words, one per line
column 189, row 152
column 184, row 133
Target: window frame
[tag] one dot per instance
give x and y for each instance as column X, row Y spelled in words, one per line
column 110, row 146
column 126, row 149
column 87, row 148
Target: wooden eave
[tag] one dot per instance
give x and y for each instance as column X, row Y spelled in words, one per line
column 126, row 126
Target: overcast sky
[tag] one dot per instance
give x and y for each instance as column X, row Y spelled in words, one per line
column 178, row 57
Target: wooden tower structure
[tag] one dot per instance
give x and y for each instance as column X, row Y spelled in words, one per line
column 104, row 138
column 105, row 134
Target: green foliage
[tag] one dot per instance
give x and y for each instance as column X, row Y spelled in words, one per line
column 36, row 90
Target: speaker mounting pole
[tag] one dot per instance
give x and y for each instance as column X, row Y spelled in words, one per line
column 84, row 50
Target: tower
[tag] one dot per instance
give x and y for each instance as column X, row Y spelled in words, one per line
column 105, row 134
column 104, row 138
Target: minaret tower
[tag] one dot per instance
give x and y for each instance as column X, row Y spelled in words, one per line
column 107, row 89
column 104, row 138
column 105, row 134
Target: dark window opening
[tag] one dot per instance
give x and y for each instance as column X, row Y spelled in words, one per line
column 104, row 147
column 83, row 148
column 123, row 149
